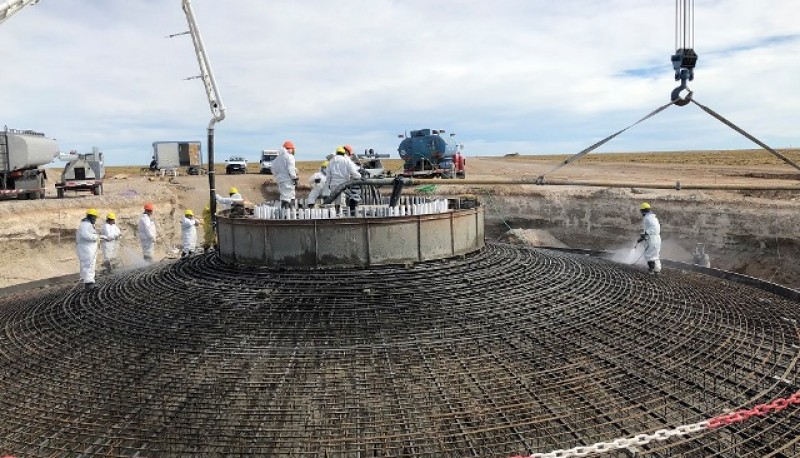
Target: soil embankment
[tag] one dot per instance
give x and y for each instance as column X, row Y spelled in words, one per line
column 750, row 232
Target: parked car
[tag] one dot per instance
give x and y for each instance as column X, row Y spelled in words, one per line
column 236, row 164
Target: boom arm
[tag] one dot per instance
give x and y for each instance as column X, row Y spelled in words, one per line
column 10, row 7
column 214, row 99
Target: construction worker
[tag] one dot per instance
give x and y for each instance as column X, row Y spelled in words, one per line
column 189, row 232
column 86, row 248
column 109, row 246
column 283, row 167
column 147, row 233
column 651, row 235
column 317, row 181
column 341, row 170
column 234, row 198
column 209, row 237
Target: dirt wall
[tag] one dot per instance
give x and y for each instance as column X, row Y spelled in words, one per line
column 750, row 233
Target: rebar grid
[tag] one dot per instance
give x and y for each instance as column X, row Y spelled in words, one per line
column 506, row 351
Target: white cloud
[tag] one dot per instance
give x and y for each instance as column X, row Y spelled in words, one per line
column 533, row 76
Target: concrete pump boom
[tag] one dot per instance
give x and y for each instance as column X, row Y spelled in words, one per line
column 214, row 101
column 7, row 9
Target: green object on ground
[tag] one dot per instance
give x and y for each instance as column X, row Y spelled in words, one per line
column 427, row 189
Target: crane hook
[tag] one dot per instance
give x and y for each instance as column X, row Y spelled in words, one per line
column 676, row 95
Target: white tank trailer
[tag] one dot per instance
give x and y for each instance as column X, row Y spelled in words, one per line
column 22, row 153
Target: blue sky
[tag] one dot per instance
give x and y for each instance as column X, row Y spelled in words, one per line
column 528, row 76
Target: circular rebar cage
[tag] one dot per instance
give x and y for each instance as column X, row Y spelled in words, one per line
column 505, row 351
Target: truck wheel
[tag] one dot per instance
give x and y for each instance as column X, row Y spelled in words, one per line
column 96, row 190
column 60, row 193
column 34, row 195
column 100, row 190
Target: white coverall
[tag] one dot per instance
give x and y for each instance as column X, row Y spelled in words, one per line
column 147, row 236
column 652, row 229
column 317, row 182
column 285, row 173
column 189, row 234
column 341, row 169
column 227, row 202
column 86, row 247
column 110, row 245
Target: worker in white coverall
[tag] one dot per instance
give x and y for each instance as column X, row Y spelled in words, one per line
column 188, row 233
column 318, row 183
column 147, row 233
column 341, row 169
column 285, row 172
column 233, row 198
column 86, row 247
column 651, row 236
column 110, row 245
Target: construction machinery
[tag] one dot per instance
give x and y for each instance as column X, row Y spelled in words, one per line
column 427, row 153
column 371, row 163
column 22, row 153
column 83, row 172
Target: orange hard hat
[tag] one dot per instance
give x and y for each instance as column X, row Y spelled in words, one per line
column 349, row 149
column 148, row 207
column 288, row 144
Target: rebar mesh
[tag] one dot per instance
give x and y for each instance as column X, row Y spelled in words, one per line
column 509, row 350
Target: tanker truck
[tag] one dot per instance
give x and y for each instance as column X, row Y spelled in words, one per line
column 22, row 153
column 428, row 154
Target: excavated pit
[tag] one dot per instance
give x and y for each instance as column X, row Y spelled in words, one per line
column 504, row 351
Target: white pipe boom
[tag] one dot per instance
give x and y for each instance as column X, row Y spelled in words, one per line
column 10, row 7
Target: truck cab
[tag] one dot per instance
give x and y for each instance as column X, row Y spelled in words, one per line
column 267, row 156
column 236, row 164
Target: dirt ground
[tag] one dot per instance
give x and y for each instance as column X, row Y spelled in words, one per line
column 39, row 235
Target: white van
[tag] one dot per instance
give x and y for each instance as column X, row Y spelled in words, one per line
column 267, row 156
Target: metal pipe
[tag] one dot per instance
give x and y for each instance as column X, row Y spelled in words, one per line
column 605, row 184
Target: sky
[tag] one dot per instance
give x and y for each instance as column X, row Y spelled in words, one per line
column 527, row 76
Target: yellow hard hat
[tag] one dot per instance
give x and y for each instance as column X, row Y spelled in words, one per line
column 92, row 212
column 188, row 213
column 111, row 215
column 325, row 163
column 340, row 150
column 644, row 206
column 233, row 191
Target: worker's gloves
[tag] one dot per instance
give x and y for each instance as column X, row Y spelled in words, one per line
column 642, row 238
column 294, row 180
column 317, row 180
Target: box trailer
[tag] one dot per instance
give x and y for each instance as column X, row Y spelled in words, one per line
column 172, row 155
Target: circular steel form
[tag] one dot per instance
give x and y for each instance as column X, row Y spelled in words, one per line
column 504, row 351
column 349, row 242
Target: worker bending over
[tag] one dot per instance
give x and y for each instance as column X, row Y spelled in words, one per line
column 651, row 235
column 234, row 198
column 110, row 244
column 318, row 183
column 283, row 167
column 188, row 233
column 147, row 233
column 86, row 248
column 342, row 169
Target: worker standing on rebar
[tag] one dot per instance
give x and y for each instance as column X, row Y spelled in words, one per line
column 318, row 183
column 341, row 170
column 86, row 247
column 109, row 246
column 283, row 167
column 147, row 233
column 651, row 235
column 188, row 232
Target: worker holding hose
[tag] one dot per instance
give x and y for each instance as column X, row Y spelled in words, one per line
column 651, row 235
column 86, row 247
